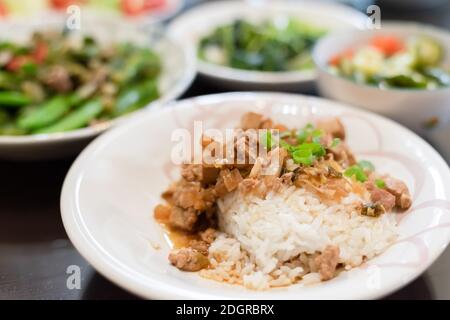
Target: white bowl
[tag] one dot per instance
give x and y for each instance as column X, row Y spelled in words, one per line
column 177, row 75
column 109, row 194
column 196, row 23
column 411, row 107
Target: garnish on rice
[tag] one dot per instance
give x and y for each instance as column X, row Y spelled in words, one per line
column 302, row 211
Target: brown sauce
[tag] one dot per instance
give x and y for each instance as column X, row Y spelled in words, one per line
column 177, row 238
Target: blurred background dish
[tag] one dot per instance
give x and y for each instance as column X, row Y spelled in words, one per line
column 285, row 21
column 177, row 69
column 412, row 99
column 132, row 10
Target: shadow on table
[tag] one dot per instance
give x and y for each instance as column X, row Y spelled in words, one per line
column 29, row 201
column 99, row 288
column 419, row 289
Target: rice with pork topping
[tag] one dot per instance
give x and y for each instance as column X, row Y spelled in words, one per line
column 274, row 241
column 318, row 212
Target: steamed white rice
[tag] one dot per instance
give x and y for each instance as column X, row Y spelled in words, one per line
column 261, row 237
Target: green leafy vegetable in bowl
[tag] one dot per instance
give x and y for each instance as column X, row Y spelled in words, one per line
column 57, row 83
column 275, row 45
column 391, row 62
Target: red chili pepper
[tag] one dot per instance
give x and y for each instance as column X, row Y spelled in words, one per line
column 40, row 53
column 17, row 62
column 389, row 45
column 38, row 56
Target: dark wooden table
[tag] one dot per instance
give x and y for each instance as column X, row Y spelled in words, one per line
column 35, row 251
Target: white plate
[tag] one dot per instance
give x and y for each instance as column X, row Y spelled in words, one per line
column 109, row 194
column 176, row 77
column 196, row 23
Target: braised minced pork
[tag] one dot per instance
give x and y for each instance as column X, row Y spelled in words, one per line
column 331, row 172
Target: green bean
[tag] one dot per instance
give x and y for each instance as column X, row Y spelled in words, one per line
column 126, row 99
column 74, row 99
column 76, row 119
column 13, row 99
column 115, row 79
column 45, row 114
column 7, row 80
column 140, row 64
column 136, row 97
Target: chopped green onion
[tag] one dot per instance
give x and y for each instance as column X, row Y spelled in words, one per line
column 266, row 139
column 306, row 153
column 356, row 171
column 309, row 147
column 380, row 183
column 309, row 133
column 366, row 165
column 302, row 135
column 316, row 148
column 304, row 157
column 286, row 145
column 316, row 134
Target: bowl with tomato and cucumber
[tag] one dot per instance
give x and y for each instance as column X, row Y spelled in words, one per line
column 60, row 88
column 401, row 70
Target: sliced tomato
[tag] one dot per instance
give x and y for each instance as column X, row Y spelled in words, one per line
column 336, row 59
column 389, row 45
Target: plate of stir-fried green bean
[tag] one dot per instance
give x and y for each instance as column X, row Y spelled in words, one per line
column 265, row 45
column 59, row 88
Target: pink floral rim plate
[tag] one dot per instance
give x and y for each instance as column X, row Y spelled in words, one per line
column 111, row 190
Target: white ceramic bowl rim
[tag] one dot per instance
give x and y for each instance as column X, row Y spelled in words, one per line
column 132, row 280
column 392, row 25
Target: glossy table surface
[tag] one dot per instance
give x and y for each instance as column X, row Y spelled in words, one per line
column 35, row 251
